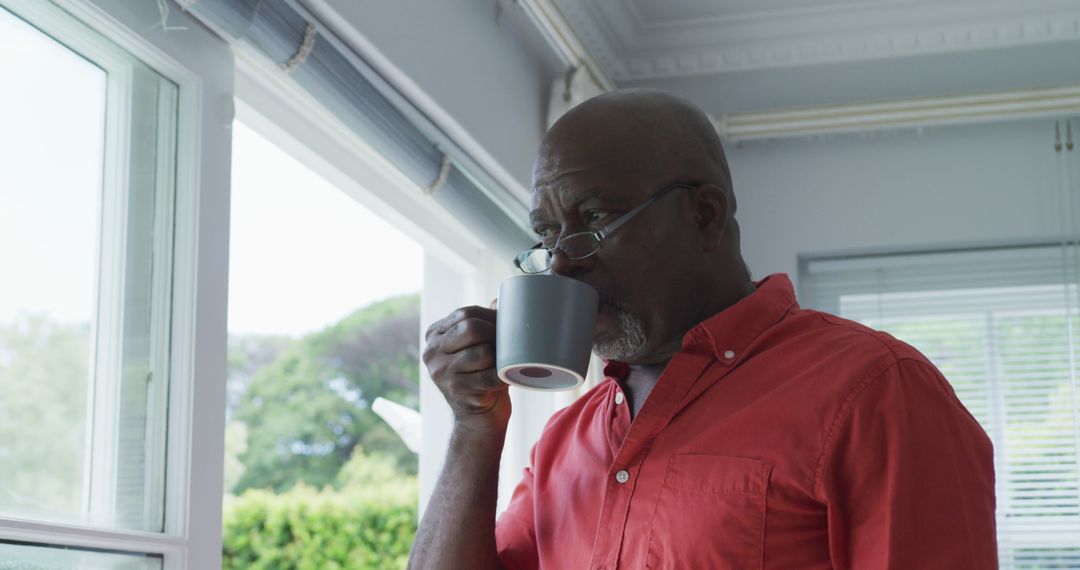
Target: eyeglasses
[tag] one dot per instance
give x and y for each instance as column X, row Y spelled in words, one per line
column 537, row 259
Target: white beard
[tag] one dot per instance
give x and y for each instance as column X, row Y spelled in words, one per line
column 625, row 342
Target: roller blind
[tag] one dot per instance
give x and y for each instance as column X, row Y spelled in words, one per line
column 354, row 92
column 1002, row 325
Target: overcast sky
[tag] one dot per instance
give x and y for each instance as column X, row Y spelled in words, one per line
column 303, row 254
column 51, row 144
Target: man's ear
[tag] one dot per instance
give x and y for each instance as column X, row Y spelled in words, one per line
column 710, row 204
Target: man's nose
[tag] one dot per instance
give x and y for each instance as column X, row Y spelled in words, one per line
column 561, row 264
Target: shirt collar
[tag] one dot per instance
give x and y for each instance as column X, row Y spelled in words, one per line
column 728, row 332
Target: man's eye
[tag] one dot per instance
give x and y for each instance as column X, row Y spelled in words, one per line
column 547, row 235
column 592, row 216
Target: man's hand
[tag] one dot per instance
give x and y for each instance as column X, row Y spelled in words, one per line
column 460, row 355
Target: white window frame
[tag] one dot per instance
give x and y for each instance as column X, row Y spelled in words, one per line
column 201, row 66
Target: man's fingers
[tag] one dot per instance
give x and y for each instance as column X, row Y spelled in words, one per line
column 445, row 324
column 476, row 358
column 473, row 312
column 460, row 355
column 466, row 333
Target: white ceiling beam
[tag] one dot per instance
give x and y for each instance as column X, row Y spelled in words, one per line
column 910, row 113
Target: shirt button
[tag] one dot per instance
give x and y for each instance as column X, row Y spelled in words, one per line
column 619, row 398
column 729, row 354
column 622, row 476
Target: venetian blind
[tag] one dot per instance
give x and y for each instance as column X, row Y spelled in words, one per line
column 1002, row 325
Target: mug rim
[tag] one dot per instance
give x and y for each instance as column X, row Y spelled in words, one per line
column 548, row 275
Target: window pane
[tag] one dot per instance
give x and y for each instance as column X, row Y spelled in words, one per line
column 53, row 144
column 322, row 393
column 86, row 189
column 25, row 556
column 1044, row 558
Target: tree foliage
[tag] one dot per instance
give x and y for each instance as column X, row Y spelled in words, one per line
column 44, row 385
column 247, row 355
column 310, row 407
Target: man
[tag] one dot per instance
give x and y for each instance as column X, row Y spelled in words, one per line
column 734, row 429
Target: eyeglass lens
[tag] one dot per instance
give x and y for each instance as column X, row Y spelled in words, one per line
column 576, row 246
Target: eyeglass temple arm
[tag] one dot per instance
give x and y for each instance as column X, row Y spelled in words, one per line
column 606, row 230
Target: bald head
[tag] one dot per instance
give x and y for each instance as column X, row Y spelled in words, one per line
column 677, row 261
column 658, row 137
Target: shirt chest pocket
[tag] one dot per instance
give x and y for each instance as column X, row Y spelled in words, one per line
column 710, row 513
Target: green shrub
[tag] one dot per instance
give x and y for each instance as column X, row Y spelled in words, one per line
column 368, row 523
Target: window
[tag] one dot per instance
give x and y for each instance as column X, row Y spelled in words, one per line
column 48, row 257
column 105, row 155
column 1003, row 325
column 459, row 267
column 88, row 240
column 324, row 323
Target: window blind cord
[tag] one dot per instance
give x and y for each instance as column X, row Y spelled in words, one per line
column 1066, row 224
column 306, row 45
column 1071, row 279
column 440, row 179
column 1069, row 158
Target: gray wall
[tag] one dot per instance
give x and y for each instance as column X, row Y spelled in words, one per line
column 492, row 78
column 992, row 183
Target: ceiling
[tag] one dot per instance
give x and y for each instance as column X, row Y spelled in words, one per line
column 695, row 10
column 749, row 55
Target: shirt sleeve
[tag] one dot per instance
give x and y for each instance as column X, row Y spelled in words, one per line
column 515, row 532
column 908, row 476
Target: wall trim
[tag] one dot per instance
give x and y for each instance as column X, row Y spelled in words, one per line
column 564, row 41
column 629, row 48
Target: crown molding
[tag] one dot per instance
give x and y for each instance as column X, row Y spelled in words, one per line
column 630, row 48
column 547, row 17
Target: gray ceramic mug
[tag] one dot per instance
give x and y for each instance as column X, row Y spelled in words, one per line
column 544, row 331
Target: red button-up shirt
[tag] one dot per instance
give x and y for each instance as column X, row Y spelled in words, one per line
column 778, row 437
